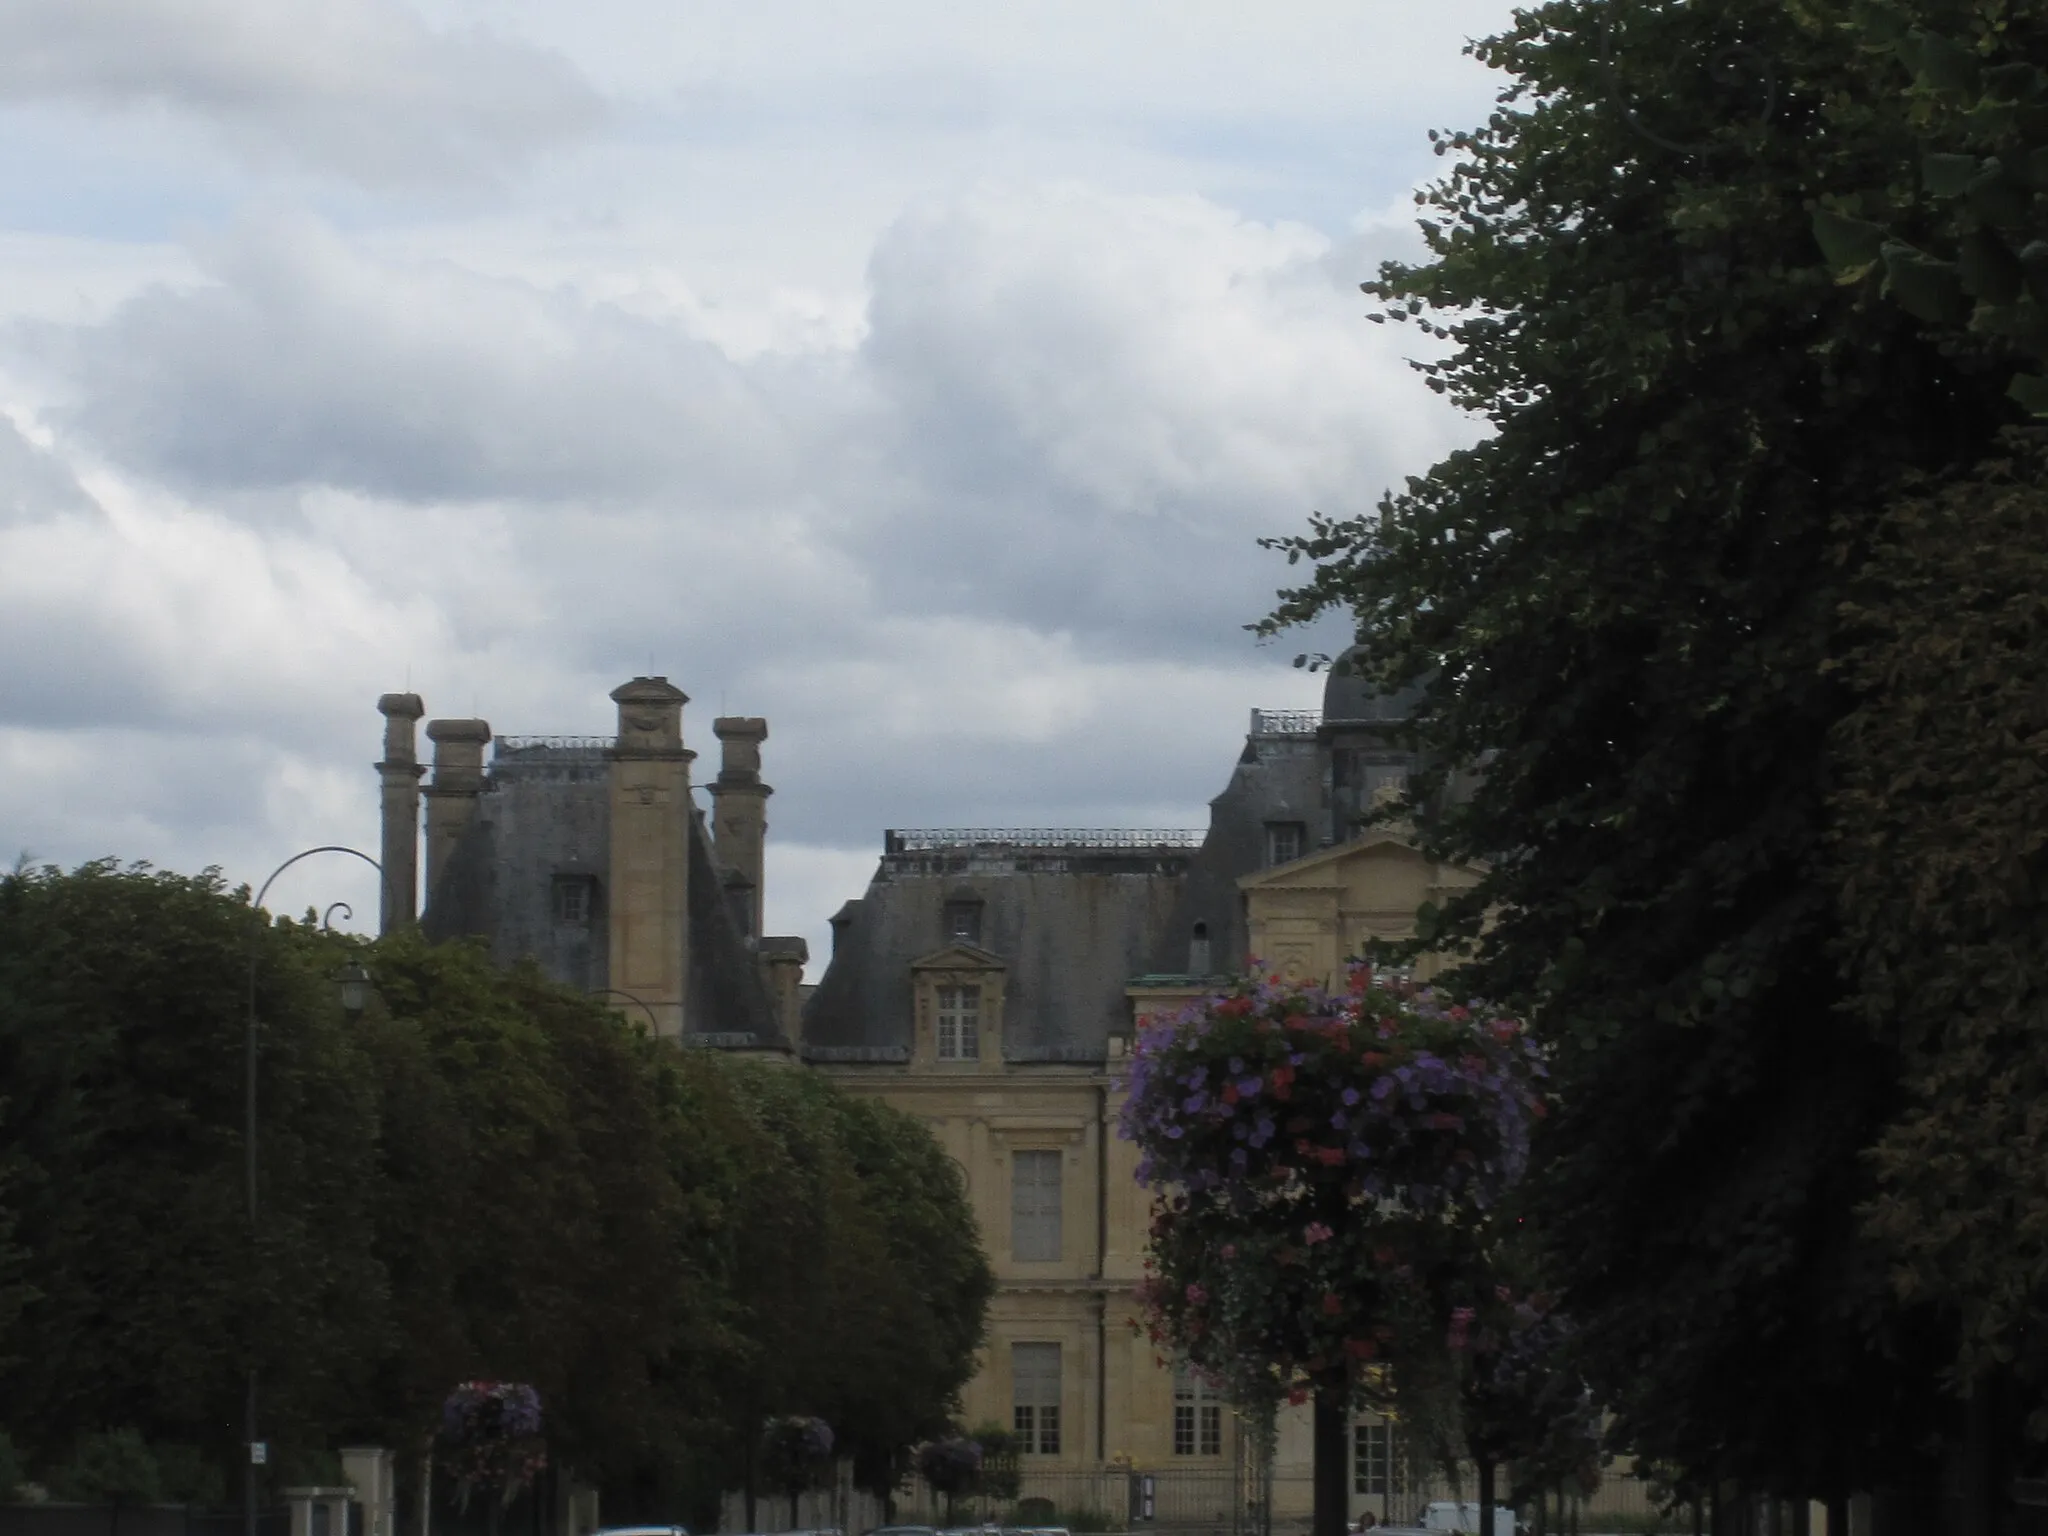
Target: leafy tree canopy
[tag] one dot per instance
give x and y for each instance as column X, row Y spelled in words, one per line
column 1625, row 605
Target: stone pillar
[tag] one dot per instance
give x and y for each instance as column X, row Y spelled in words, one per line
column 649, row 898
column 399, row 774
column 451, row 797
column 367, row 1469
column 739, row 814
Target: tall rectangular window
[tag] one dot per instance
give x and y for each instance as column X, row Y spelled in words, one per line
column 572, row 901
column 1035, row 1398
column 1035, row 1207
column 959, row 1023
column 1197, row 1416
column 1372, row 1458
column 1284, row 841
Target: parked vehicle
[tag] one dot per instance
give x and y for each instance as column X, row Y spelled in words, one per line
column 1450, row 1515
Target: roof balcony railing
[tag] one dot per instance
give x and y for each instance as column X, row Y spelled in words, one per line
column 552, row 743
column 1286, row 722
column 930, row 839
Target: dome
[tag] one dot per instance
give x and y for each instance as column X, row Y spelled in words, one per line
column 1349, row 696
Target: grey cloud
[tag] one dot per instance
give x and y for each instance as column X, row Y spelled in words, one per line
column 34, row 483
column 304, row 364
column 361, row 88
column 1070, row 412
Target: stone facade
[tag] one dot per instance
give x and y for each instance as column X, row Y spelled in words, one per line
column 987, row 981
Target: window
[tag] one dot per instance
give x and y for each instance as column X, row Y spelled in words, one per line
column 1283, row 841
column 1035, row 1394
column 573, row 898
column 1035, row 1207
column 959, row 1023
column 1197, row 1416
column 1372, row 1458
column 1198, row 950
column 963, row 921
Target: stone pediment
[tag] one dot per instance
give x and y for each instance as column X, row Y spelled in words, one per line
column 1306, row 916
column 960, row 957
column 1328, row 868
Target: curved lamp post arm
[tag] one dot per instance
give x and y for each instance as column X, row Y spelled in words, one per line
column 639, row 1003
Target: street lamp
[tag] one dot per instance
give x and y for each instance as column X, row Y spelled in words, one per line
column 640, row 1003
column 354, row 988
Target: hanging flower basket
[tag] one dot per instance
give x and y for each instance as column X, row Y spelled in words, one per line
column 491, row 1437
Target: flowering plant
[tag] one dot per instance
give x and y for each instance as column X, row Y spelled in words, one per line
column 950, row 1466
column 794, row 1450
column 1322, row 1160
column 490, row 1436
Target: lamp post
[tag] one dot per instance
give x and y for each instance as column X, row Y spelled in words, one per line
column 354, row 983
column 639, row 1003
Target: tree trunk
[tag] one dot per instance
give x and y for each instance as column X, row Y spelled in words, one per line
column 1485, row 1496
column 1332, row 1479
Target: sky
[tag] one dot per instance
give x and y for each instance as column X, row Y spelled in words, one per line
column 920, row 376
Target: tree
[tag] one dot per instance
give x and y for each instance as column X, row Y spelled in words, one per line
column 1622, row 605
column 1325, row 1166
column 122, row 1010
column 1943, row 817
column 484, row 1177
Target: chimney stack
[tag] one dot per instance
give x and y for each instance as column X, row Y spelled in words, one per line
column 739, row 812
column 452, row 796
column 649, row 900
column 399, row 775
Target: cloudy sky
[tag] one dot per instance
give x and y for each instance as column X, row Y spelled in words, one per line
column 919, row 375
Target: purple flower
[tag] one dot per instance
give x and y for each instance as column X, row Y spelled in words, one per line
column 1350, row 1097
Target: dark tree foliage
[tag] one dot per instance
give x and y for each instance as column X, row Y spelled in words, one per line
column 1624, row 602
column 482, row 1177
column 1943, row 846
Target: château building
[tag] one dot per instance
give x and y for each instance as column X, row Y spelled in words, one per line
column 987, row 981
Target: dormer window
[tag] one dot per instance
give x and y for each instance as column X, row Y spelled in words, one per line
column 959, row 1019
column 963, row 921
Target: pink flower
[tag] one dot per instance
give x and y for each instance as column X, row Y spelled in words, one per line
column 1316, row 1232
column 1229, row 1250
column 1196, row 1295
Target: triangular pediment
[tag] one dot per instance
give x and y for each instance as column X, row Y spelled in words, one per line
column 960, row 957
column 1327, row 866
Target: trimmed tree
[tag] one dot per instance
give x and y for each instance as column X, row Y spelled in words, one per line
column 1325, row 1166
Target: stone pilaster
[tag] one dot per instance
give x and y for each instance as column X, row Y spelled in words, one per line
column 649, row 895
column 399, row 776
column 739, row 814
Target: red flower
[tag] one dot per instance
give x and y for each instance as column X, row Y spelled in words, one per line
column 1332, row 1303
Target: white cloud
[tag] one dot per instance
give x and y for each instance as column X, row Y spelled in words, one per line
column 359, row 87
column 920, row 380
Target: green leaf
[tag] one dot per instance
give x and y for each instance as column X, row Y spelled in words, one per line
column 1990, row 270
column 2034, row 263
column 2031, row 391
column 1944, row 65
column 1850, row 245
column 1927, row 288
column 1947, row 175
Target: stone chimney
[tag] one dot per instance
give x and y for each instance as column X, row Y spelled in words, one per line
column 649, row 898
column 782, row 972
column 452, row 796
column 739, row 814
column 399, row 775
